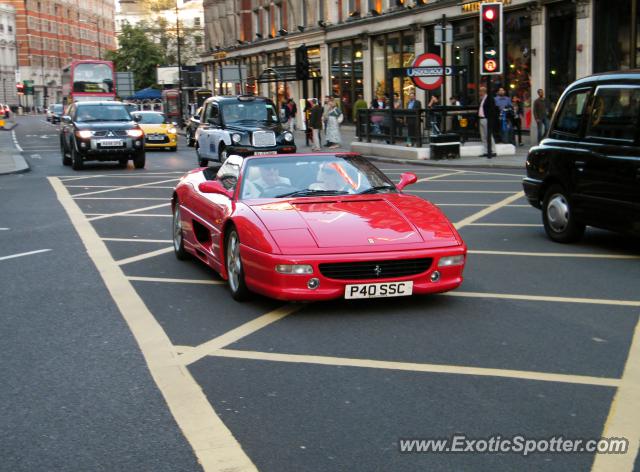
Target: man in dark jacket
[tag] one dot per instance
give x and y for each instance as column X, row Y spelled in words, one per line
column 315, row 122
column 486, row 121
column 541, row 114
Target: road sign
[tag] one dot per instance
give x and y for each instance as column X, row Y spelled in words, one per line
column 423, row 72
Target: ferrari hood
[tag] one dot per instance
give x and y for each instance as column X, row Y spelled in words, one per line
column 374, row 224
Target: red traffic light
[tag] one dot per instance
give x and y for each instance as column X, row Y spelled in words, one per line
column 490, row 14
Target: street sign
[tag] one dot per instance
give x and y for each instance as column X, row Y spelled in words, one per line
column 439, row 38
column 423, row 72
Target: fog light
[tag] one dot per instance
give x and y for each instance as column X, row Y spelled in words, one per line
column 313, row 283
column 435, row 276
column 451, row 261
column 295, row 269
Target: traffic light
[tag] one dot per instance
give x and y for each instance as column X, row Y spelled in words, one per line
column 20, row 88
column 490, row 38
column 302, row 63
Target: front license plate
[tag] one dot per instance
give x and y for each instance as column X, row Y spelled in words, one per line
column 155, row 138
column 380, row 290
column 260, row 153
column 110, row 142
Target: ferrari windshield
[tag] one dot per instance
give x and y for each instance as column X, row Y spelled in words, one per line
column 249, row 111
column 307, row 176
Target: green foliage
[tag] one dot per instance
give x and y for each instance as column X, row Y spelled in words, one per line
column 137, row 53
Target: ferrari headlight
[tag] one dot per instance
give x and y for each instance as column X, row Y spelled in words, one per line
column 451, row 261
column 172, row 131
column 235, row 137
column 135, row 133
column 288, row 136
column 295, row 269
column 84, row 134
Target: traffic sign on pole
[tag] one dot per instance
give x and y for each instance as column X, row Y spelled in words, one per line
column 491, row 39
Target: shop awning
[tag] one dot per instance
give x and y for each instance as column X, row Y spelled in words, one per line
column 283, row 74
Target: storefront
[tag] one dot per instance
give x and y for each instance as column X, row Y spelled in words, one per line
column 392, row 51
column 615, row 24
column 347, row 73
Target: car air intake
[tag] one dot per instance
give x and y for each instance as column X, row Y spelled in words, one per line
column 374, row 269
column 264, row 138
column 117, row 132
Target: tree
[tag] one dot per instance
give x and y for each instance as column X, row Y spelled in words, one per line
column 138, row 53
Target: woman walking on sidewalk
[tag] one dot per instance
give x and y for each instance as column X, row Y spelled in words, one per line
column 334, row 118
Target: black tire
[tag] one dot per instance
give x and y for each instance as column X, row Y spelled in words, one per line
column 76, row 159
column 139, row 160
column 122, row 163
column 222, row 153
column 235, row 270
column 178, row 235
column 66, row 160
column 557, row 216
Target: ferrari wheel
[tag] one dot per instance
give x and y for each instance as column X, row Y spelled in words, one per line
column 235, row 272
column 178, row 239
column 76, row 159
column 557, row 216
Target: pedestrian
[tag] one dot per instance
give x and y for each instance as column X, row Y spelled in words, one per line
column 334, row 119
column 397, row 103
column 325, row 111
column 541, row 114
column 315, row 122
column 486, row 120
column 413, row 127
column 434, row 118
column 358, row 105
column 518, row 115
column 503, row 105
column 293, row 111
column 308, row 134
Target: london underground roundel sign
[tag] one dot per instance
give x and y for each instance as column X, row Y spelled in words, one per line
column 426, row 72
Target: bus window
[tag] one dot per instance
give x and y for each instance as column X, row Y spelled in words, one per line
column 93, row 78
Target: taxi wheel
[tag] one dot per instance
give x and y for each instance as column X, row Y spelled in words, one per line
column 557, row 216
column 222, row 153
column 201, row 161
column 123, row 163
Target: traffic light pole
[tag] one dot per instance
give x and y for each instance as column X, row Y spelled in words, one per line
column 489, row 120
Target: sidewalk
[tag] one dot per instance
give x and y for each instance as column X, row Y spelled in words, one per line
column 11, row 160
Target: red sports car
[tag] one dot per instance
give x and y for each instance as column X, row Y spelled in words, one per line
column 314, row 227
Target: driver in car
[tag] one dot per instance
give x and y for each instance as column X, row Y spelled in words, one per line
column 269, row 178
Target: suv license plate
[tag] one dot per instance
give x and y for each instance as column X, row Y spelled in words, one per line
column 110, row 142
column 379, row 290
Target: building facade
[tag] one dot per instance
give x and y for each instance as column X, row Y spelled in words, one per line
column 52, row 33
column 8, row 58
column 353, row 43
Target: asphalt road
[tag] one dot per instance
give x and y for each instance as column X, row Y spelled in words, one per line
column 121, row 357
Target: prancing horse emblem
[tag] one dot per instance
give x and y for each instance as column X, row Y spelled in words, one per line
column 377, row 270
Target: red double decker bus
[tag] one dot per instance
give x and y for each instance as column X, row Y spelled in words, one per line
column 88, row 80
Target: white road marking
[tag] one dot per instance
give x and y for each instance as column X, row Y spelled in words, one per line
column 35, row 156
column 5, row 229
column 178, row 281
column 96, row 216
column 13, row 256
column 125, row 187
column 134, row 240
column 515, row 225
column 121, row 198
column 15, row 140
column 490, row 209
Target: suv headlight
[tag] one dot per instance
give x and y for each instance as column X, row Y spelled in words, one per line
column 135, row 133
column 84, row 134
column 236, row 137
column 288, row 136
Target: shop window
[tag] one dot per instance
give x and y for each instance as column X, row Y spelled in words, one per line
column 570, row 116
column 561, row 48
column 614, row 113
column 611, row 32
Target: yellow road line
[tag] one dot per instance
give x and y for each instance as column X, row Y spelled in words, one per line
column 542, row 298
column 416, row 367
column 124, row 187
column 214, row 445
column 462, row 204
column 624, row 415
column 134, row 240
column 129, row 212
column 238, row 333
column 178, row 281
column 554, row 254
column 146, row 255
column 488, row 210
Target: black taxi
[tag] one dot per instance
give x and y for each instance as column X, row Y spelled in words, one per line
column 586, row 172
column 243, row 125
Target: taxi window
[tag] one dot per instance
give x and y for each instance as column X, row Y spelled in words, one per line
column 572, row 111
column 614, row 114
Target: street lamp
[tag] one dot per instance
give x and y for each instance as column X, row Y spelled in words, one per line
column 179, row 65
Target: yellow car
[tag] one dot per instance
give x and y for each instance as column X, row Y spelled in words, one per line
column 158, row 133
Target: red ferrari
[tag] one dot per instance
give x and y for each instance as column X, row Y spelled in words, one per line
column 314, row 227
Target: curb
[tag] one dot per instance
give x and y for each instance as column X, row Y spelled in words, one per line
column 19, row 168
column 445, row 163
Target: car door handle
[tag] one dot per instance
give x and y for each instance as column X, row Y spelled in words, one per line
column 580, row 165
